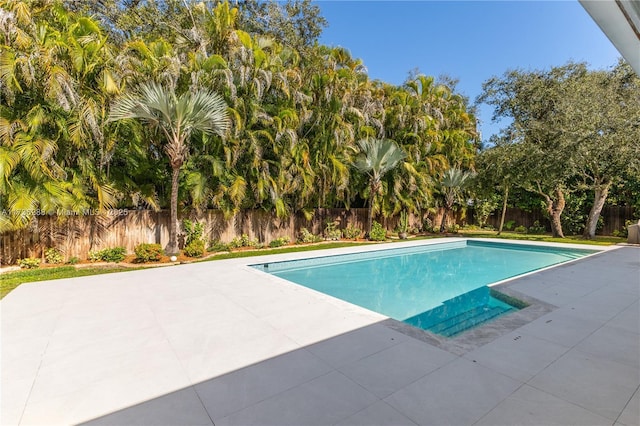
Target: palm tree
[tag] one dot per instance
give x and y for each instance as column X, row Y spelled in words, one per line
column 453, row 182
column 177, row 117
column 376, row 158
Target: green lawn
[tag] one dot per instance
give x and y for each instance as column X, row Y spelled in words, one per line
column 11, row 280
column 598, row 241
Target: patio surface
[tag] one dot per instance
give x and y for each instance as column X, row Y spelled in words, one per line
column 220, row 343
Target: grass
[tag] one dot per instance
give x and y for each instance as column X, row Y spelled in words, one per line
column 598, row 241
column 288, row 249
column 11, row 280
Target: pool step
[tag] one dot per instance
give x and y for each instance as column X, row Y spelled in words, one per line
column 466, row 320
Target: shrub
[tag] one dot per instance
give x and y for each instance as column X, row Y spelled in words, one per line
column 53, row 255
column 509, row 225
column 279, row 242
column 29, row 263
column 193, row 231
column 194, row 249
column 378, row 233
column 453, row 229
column 244, row 241
column 351, row 232
column 521, row 229
column 307, row 237
column 536, row 228
column 115, row 254
column 146, row 252
column 217, row 245
column 427, row 225
column 331, row 232
column 73, row 260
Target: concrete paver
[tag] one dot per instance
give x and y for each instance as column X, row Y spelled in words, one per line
column 220, row 343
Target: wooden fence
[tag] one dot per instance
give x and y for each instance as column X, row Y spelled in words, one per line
column 614, row 218
column 77, row 235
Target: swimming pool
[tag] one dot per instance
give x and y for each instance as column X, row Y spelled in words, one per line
column 427, row 284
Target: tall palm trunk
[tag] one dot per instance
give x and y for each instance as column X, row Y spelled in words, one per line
column 443, row 223
column 172, row 246
column 600, row 196
column 375, row 187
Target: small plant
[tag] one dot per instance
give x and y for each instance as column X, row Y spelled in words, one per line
column 351, row 232
column 29, row 263
column 193, row 231
column 536, row 228
column 53, row 255
column 115, row 254
column 146, row 252
column 377, row 233
column 279, row 242
column 94, row 256
column 331, row 232
column 509, row 225
column 194, row 249
column 217, row 245
column 243, row 241
column 73, row 260
column 427, row 226
column 520, row 229
column 453, row 229
column 307, row 237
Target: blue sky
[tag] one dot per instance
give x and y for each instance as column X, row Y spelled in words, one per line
column 468, row 40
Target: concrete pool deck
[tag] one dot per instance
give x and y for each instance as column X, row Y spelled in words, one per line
column 220, row 343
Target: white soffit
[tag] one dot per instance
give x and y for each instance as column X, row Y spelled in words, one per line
column 620, row 21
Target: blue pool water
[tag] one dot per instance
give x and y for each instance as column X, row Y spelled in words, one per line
column 425, row 285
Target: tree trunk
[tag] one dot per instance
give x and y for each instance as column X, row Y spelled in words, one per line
column 444, row 219
column 172, row 246
column 600, row 196
column 504, row 209
column 554, row 209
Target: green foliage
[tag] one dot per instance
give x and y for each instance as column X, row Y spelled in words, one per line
column 29, row 263
column 624, row 231
column 520, row 229
column 217, row 245
column 194, row 249
column 453, row 229
column 115, row 254
column 403, row 222
column 193, row 231
column 73, row 260
column 53, row 255
column 279, row 242
column 351, row 232
column 244, row 241
column 509, row 225
column 536, row 228
column 378, row 233
column 484, row 207
column 306, row 237
column 331, row 233
column 147, row 252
